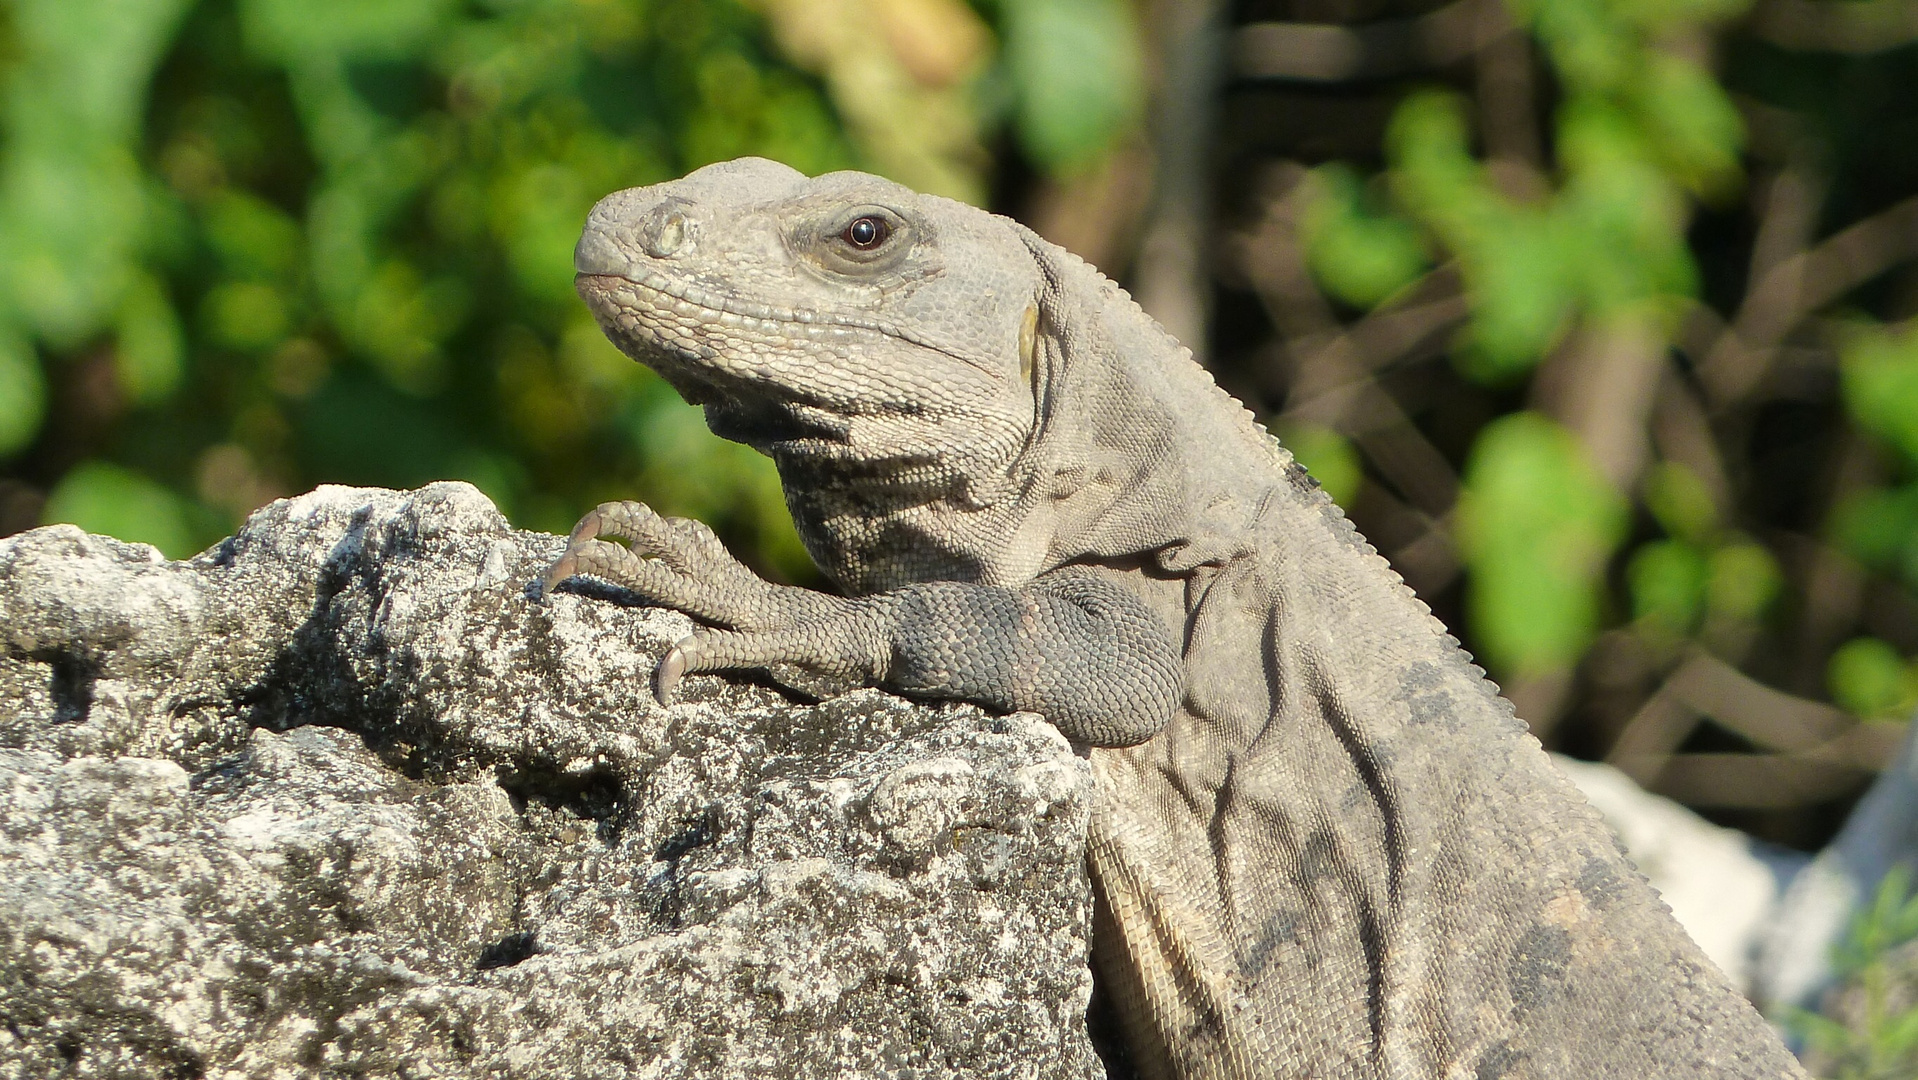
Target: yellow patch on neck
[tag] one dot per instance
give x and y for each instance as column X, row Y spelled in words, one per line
column 1029, row 342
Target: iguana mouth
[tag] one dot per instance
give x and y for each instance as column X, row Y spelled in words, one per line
column 660, row 293
column 780, row 418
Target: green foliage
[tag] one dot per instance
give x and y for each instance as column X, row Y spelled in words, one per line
column 73, row 202
column 1592, row 243
column 1074, row 74
column 1680, row 502
column 1639, row 127
column 1536, row 524
column 1879, row 527
column 1880, row 372
column 1668, row 581
column 272, row 243
column 1878, row 1040
column 104, row 498
column 1867, row 676
column 1359, row 253
column 1328, row 456
column 1743, row 582
column 23, row 392
column 1605, row 245
column 1879, row 376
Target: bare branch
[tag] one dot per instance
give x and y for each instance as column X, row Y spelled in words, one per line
column 1326, row 52
column 1332, row 383
column 1771, row 718
column 1858, row 28
column 1755, row 781
column 1798, row 286
column 1652, row 736
column 1171, row 276
column 1827, row 752
column 1683, row 435
column 1601, row 384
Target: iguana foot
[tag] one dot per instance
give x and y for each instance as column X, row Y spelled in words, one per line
column 817, row 660
column 679, row 564
column 809, row 641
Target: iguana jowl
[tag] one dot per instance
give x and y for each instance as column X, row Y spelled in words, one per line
column 1324, row 846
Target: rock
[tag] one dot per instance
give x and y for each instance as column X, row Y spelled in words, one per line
column 342, row 796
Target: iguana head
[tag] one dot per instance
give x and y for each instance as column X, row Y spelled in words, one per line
column 842, row 324
column 946, row 394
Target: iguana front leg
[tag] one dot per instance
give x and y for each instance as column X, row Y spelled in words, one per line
column 1073, row 645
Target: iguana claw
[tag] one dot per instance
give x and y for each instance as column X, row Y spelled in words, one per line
column 564, row 567
column 666, row 676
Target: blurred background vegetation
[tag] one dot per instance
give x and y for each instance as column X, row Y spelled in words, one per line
column 1599, row 316
column 1595, row 314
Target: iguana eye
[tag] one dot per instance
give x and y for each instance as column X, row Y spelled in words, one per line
column 867, row 232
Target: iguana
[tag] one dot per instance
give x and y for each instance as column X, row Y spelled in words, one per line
column 1324, row 846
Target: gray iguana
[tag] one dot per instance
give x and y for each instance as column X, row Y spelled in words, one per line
column 1324, row 846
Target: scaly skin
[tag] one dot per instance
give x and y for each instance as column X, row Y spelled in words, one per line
column 1324, row 846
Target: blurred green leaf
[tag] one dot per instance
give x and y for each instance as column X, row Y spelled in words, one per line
column 1680, row 502
column 1360, row 255
column 1591, row 49
column 99, row 55
column 1433, row 173
column 1668, row 580
column 294, row 30
column 1880, row 379
column 253, row 238
column 105, row 498
column 1867, row 677
column 1659, row 15
column 1744, row 582
column 1076, row 66
column 1693, row 123
column 23, row 392
column 245, row 315
column 1536, row 523
column 1328, row 456
column 1879, row 527
column 1522, row 294
column 401, row 321
column 72, row 200
column 537, row 213
column 149, row 356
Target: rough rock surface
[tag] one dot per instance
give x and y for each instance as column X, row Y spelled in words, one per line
column 341, row 797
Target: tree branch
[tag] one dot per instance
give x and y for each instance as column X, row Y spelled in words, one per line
column 1856, row 28
column 1328, row 52
column 1799, row 285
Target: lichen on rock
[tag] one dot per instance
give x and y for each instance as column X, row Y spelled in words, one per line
column 344, row 796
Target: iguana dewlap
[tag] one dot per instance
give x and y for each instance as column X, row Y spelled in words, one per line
column 1325, row 848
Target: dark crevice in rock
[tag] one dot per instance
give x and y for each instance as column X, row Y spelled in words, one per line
column 595, row 795
column 1108, row 1036
column 507, row 951
column 224, row 776
column 71, row 685
column 669, row 908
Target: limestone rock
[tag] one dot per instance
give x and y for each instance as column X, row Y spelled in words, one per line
column 344, row 797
